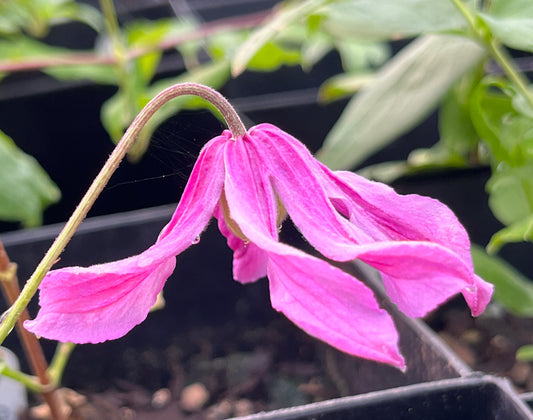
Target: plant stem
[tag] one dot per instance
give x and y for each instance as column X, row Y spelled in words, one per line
column 497, row 51
column 59, row 361
column 28, row 381
column 122, row 67
column 234, row 124
column 32, row 349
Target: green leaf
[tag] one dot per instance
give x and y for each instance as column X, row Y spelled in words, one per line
column 277, row 23
column 342, row 85
column 519, row 231
column 359, row 56
column 403, row 93
column 512, row 289
column 36, row 16
column 385, row 19
column 488, row 107
column 525, row 353
column 511, row 22
column 272, row 56
column 25, row 189
column 511, row 193
column 101, row 74
column 458, row 135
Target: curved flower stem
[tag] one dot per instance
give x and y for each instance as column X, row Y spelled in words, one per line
column 497, row 51
column 234, row 124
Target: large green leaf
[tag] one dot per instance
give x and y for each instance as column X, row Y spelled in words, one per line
column 25, row 188
column 386, row 19
column 404, row 92
column 511, row 22
column 512, row 290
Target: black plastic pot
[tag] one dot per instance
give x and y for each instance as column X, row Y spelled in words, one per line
column 471, row 398
column 202, row 293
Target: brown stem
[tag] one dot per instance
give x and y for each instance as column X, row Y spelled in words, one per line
column 32, row 349
column 72, row 59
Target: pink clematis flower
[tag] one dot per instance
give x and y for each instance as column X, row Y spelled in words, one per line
column 250, row 184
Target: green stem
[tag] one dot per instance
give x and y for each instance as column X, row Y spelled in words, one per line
column 120, row 53
column 497, row 51
column 234, row 124
column 59, row 361
column 30, row 382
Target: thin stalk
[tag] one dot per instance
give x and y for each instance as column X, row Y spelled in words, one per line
column 30, row 382
column 234, row 124
column 497, row 51
column 119, row 52
column 59, row 361
column 32, row 348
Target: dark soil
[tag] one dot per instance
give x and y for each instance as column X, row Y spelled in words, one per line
column 488, row 343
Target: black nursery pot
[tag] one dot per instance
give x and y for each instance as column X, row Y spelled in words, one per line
column 472, row 398
column 201, row 296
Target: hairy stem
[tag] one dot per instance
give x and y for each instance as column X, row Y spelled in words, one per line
column 234, row 124
column 30, row 343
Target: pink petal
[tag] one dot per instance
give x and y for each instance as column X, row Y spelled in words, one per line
column 104, row 302
column 478, row 296
column 98, row 303
column 324, row 301
column 333, row 306
column 249, row 261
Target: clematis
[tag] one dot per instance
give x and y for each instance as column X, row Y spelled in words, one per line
column 250, row 184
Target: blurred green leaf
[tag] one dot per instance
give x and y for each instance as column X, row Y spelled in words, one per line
column 358, row 55
column 525, row 353
column 511, row 192
column 19, row 47
column 272, row 56
column 291, row 12
column 519, row 231
column 457, row 132
column 488, row 107
column 385, row 19
column 511, row 22
column 36, row 16
column 25, row 190
column 512, row 289
column 404, row 92
column 102, row 74
column 342, row 85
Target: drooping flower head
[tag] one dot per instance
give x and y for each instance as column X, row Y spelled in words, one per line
column 249, row 184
